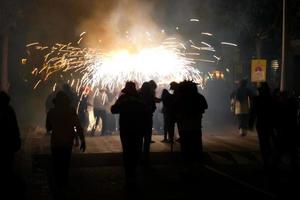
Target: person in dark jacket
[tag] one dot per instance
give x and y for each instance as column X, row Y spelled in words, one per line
column 262, row 111
column 147, row 95
column 64, row 125
column 131, row 108
column 10, row 137
column 190, row 106
column 168, row 101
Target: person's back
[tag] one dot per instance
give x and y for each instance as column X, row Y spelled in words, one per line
column 10, row 134
column 63, row 124
column 62, row 120
column 167, row 101
column 131, row 109
column 190, row 106
column 263, row 108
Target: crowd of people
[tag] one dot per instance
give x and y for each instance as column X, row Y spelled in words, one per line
column 136, row 107
column 276, row 115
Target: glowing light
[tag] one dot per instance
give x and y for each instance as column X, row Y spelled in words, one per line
column 206, row 33
column 24, row 61
column 206, row 44
column 230, row 44
column 82, row 34
column 216, row 57
column 194, row 20
column 110, row 70
column 158, row 63
column 32, row 44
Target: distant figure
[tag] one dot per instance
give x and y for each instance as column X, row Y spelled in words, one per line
column 286, row 127
column 99, row 104
column 82, row 106
column 190, row 106
column 242, row 97
column 10, row 137
column 64, row 125
column 168, row 101
column 131, row 108
column 147, row 94
column 157, row 117
column 263, row 112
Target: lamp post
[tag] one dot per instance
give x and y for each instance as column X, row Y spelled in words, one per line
column 4, row 66
column 282, row 74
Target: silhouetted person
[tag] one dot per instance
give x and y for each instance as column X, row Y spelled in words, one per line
column 148, row 96
column 64, row 125
column 156, row 121
column 242, row 98
column 71, row 94
column 131, row 108
column 262, row 112
column 49, row 101
column 190, row 106
column 100, row 113
column 286, row 127
column 83, row 104
column 168, row 101
column 11, row 142
column 75, row 102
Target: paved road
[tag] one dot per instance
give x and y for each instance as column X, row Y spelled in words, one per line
column 232, row 169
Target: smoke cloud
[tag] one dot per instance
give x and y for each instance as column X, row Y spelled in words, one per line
column 112, row 23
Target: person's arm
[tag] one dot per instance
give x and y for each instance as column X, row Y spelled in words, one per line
column 116, row 108
column 253, row 114
column 157, row 100
column 48, row 123
column 79, row 131
column 203, row 103
column 15, row 131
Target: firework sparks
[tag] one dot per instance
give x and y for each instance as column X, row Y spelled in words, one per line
column 205, row 33
column 194, row 20
column 230, row 44
column 163, row 63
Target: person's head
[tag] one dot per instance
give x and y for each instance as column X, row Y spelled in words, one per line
column 173, row 85
column 153, row 84
column 264, row 89
column 188, row 87
column 4, row 98
column 146, row 87
column 129, row 88
column 243, row 83
column 61, row 99
column 66, row 87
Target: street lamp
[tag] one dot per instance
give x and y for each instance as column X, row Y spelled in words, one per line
column 282, row 74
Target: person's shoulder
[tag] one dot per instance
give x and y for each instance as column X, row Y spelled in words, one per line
column 200, row 96
column 9, row 109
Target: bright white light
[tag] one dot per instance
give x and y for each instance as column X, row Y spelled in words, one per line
column 194, row 20
column 206, row 33
column 230, row 44
column 160, row 64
